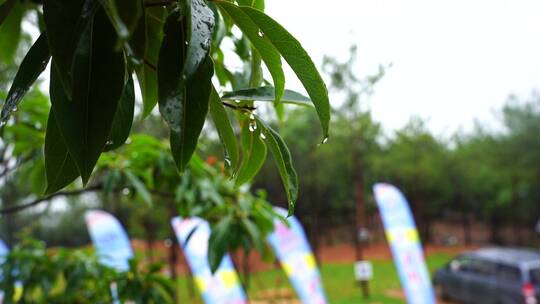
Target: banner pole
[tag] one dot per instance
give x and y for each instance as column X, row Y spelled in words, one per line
column 360, row 236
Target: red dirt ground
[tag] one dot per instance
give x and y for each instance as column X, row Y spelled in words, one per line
column 343, row 253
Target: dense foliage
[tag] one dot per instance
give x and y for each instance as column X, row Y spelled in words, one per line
column 174, row 48
column 32, row 274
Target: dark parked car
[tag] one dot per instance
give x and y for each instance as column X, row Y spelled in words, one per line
column 491, row 275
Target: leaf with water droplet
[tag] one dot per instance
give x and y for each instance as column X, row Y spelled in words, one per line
column 267, row 93
column 298, row 59
column 98, row 81
column 183, row 101
column 254, row 153
column 283, row 159
column 31, row 67
column 171, row 85
column 225, row 131
column 252, row 126
column 266, row 50
column 139, row 186
column 123, row 118
column 200, row 23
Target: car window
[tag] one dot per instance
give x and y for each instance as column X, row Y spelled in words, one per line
column 507, row 273
column 535, row 276
column 472, row 265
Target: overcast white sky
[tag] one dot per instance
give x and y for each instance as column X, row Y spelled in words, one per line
column 453, row 61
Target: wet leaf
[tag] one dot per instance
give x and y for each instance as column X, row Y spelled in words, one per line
column 31, row 67
column 200, row 26
column 267, row 94
column 5, row 9
column 98, row 81
column 194, row 111
column 124, row 15
column 139, row 186
column 64, row 21
column 225, row 130
column 183, row 102
column 123, row 119
column 218, row 241
column 60, row 168
column 147, row 72
column 298, row 59
column 10, row 32
column 258, row 4
column 266, row 50
column 254, row 233
column 283, row 160
column 254, row 150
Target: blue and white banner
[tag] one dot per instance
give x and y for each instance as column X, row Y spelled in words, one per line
column 110, row 239
column 293, row 251
column 3, row 252
column 221, row 287
column 405, row 244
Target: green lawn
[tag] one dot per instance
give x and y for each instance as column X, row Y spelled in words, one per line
column 338, row 282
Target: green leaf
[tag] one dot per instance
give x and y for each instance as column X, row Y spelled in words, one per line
column 98, row 81
column 123, row 14
column 147, row 73
column 258, row 4
column 266, row 50
column 137, row 41
column 123, row 119
column 267, row 94
column 298, row 59
column 194, row 111
column 225, row 130
column 200, row 27
column 283, row 160
column 254, row 152
column 10, row 31
column 60, row 168
column 64, row 20
column 5, row 9
column 31, row 67
column 182, row 103
column 139, row 186
column 254, row 234
column 217, row 243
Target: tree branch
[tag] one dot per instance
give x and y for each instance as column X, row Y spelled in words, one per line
column 240, row 108
column 157, row 3
column 16, row 208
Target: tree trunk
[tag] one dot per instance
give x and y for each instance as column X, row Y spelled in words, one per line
column 466, row 224
column 495, row 235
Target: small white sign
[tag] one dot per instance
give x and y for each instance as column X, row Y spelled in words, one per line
column 363, row 271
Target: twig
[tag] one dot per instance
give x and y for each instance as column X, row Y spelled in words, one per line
column 150, row 65
column 157, row 3
column 241, row 108
column 16, row 208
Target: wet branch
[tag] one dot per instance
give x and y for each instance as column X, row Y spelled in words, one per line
column 16, row 208
column 240, row 108
column 70, row 193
